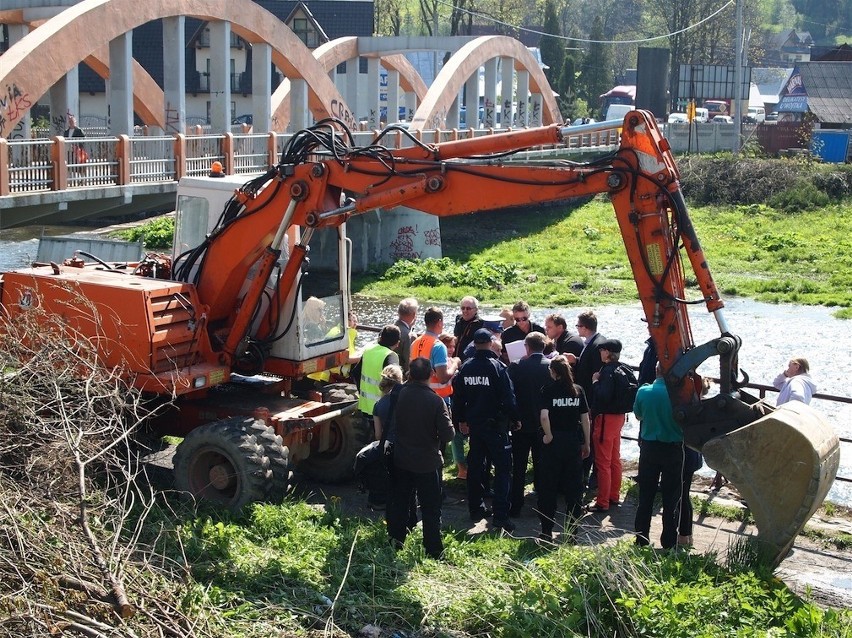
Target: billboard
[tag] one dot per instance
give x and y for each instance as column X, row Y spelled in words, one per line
column 708, row 82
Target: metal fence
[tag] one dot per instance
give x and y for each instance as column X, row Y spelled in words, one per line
column 202, row 151
column 30, row 166
column 152, row 159
column 91, row 162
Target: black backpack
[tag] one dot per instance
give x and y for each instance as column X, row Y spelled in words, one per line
column 626, row 386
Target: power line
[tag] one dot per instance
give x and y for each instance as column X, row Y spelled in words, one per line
column 562, row 37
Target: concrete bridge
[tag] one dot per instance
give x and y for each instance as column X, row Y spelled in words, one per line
column 58, row 179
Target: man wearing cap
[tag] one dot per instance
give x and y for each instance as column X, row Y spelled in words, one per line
column 608, row 422
column 467, row 323
column 484, row 401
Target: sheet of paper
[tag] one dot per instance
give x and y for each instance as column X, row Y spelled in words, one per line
column 516, row 350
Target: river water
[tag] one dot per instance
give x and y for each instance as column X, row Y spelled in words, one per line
column 771, row 335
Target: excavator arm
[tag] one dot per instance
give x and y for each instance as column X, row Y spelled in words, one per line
column 783, row 461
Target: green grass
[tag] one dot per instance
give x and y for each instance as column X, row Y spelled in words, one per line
column 294, row 568
column 564, row 256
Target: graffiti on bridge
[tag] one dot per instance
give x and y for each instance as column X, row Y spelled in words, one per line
column 403, row 246
column 13, row 104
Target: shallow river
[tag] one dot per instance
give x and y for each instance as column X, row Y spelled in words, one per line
column 771, row 335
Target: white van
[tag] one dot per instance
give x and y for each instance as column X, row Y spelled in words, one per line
column 755, row 115
column 702, row 115
column 618, row 111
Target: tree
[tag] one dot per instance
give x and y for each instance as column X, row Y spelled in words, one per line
column 389, row 16
column 429, row 16
column 552, row 49
column 460, row 18
column 596, row 75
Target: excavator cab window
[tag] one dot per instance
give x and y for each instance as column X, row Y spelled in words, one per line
column 192, row 222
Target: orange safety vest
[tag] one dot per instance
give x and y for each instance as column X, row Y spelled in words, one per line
column 422, row 347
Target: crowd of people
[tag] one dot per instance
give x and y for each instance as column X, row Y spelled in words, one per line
column 500, row 391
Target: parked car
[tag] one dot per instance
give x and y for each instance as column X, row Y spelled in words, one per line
column 772, row 117
column 246, row 118
column 583, row 120
column 723, row 119
column 678, row 118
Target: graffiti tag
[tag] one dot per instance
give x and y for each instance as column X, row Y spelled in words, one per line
column 13, row 104
column 403, row 246
column 432, row 237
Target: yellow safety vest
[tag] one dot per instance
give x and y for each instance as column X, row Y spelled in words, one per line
column 343, row 370
column 372, row 363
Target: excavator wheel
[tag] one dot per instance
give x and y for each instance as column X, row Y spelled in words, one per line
column 223, row 463
column 278, row 455
column 348, row 435
column 783, row 464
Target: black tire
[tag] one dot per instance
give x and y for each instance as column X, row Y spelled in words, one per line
column 348, row 435
column 223, row 463
column 278, row 455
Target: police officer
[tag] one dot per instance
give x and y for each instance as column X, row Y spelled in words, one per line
column 485, row 401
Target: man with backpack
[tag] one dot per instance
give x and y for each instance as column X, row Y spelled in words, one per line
column 614, row 389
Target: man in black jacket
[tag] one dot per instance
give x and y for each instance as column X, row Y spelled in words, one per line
column 421, row 428
column 528, row 376
column 585, row 367
column 467, row 323
column 563, row 341
column 523, row 326
column 484, row 401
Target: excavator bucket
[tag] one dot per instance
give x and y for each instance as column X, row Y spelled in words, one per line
column 783, row 464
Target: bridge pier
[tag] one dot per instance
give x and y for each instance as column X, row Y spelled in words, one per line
column 64, row 99
column 121, row 85
column 261, row 78
column 174, row 74
column 220, row 75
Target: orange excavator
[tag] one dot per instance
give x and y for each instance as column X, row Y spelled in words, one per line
column 230, row 325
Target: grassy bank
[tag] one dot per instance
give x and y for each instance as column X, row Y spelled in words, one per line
column 294, row 570
column 574, row 255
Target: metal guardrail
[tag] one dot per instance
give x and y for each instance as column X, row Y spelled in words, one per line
column 57, row 164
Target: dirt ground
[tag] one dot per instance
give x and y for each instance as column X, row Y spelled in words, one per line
column 824, row 574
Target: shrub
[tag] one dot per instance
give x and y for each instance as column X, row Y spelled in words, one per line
column 802, row 195
column 157, row 233
column 723, row 179
column 444, row 271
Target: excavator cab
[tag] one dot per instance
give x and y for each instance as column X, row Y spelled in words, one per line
column 294, row 332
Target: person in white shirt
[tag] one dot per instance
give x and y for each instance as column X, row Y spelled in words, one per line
column 794, row 383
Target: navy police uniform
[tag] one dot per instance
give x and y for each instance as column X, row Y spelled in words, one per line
column 483, row 397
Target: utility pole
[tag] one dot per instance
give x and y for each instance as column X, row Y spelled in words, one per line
column 738, row 78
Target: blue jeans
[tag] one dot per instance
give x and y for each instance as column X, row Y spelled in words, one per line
column 490, row 442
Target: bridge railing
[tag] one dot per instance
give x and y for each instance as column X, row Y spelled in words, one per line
column 152, row 159
column 56, row 164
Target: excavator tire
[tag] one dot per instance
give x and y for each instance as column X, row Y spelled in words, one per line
column 348, row 433
column 278, row 455
column 223, row 463
column 783, row 464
